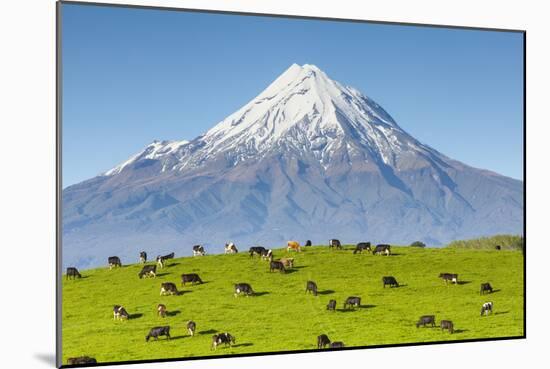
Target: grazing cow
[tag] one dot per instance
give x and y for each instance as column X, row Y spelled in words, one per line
column 120, row 312
column 243, row 288
column 449, row 277
column 257, row 250
column 352, row 301
column 198, row 250
column 487, row 308
column 311, row 287
column 498, row 247
column 362, row 246
column 191, row 277
column 161, row 260
column 114, row 261
column 156, row 332
column 73, row 272
column 148, row 271
column 225, row 338
column 276, row 265
column 168, row 288
column 161, row 310
column 334, row 243
column 143, row 257
column 425, row 320
column 287, row 262
column 485, row 287
column 382, row 249
column 337, row 344
column 322, row 341
column 391, row 281
column 448, row 325
column 308, row 243
column 81, row 360
column 230, row 248
column 191, row 327
column 331, row 305
column 267, row 255
column 293, row 245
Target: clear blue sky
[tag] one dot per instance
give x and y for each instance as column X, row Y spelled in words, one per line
column 131, row 76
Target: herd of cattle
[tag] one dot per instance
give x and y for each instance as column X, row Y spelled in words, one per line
column 280, row 265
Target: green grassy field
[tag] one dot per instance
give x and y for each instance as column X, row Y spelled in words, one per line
column 281, row 316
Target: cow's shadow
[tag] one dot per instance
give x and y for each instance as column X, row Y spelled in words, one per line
column 290, row 271
column 183, row 292
column 463, row 282
column 172, row 265
column 161, row 274
column 367, row 306
column 299, row 267
column 261, row 293
column 178, row 337
column 501, row 312
column 209, row 331
column 135, row 316
column 173, row 313
column 326, row 292
column 347, row 310
column 458, row 331
column 247, row 344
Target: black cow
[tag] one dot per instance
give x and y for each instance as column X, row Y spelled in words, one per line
column 148, row 271
column 311, row 287
column 191, row 327
column 198, row 250
column 498, row 247
column 73, row 272
column 277, row 265
column 191, row 277
column 485, row 287
column 449, row 277
column 425, row 320
column 331, row 305
column 382, row 249
column 143, row 257
column 448, row 325
column 120, row 312
column 225, row 338
column 352, row 301
column 362, row 246
column 322, row 341
column 487, row 308
column 391, row 281
column 308, row 243
column 114, row 261
column 168, row 288
column 257, row 250
column 336, row 344
column 334, row 243
column 81, row 360
column 243, row 288
column 156, row 332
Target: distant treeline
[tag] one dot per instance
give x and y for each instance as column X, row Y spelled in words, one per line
column 505, row 241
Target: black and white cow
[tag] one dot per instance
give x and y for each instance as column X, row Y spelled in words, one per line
column 243, row 288
column 114, row 261
column 257, row 250
column 485, row 288
column 331, row 305
column 277, row 265
column 81, row 360
column 190, row 278
column 382, row 249
column 322, row 341
column 334, row 243
column 449, row 277
column 448, row 325
column 168, row 288
column 191, row 327
column 148, row 271
column 389, row 280
column 161, row 310
column 308, row 243
column 311, row 287
column 230, row 248
column 143, row 257
column 267, row 255
column 120, row 312
column 156, row 332
column 336, row 344
column 362, row 246
column 487, row 308
column 352, row 301
column 198, row 250
column 161, row 259
column 72, row 272
column 425, row 320
column 222, row 338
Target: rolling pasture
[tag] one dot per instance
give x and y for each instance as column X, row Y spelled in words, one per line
column 281, row 317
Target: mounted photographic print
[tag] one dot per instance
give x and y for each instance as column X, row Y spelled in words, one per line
column 238, row 184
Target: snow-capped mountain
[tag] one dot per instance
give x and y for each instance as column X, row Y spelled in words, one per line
column 308, row 158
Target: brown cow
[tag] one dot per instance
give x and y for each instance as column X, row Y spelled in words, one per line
column 287, row 262
column 293, row 245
